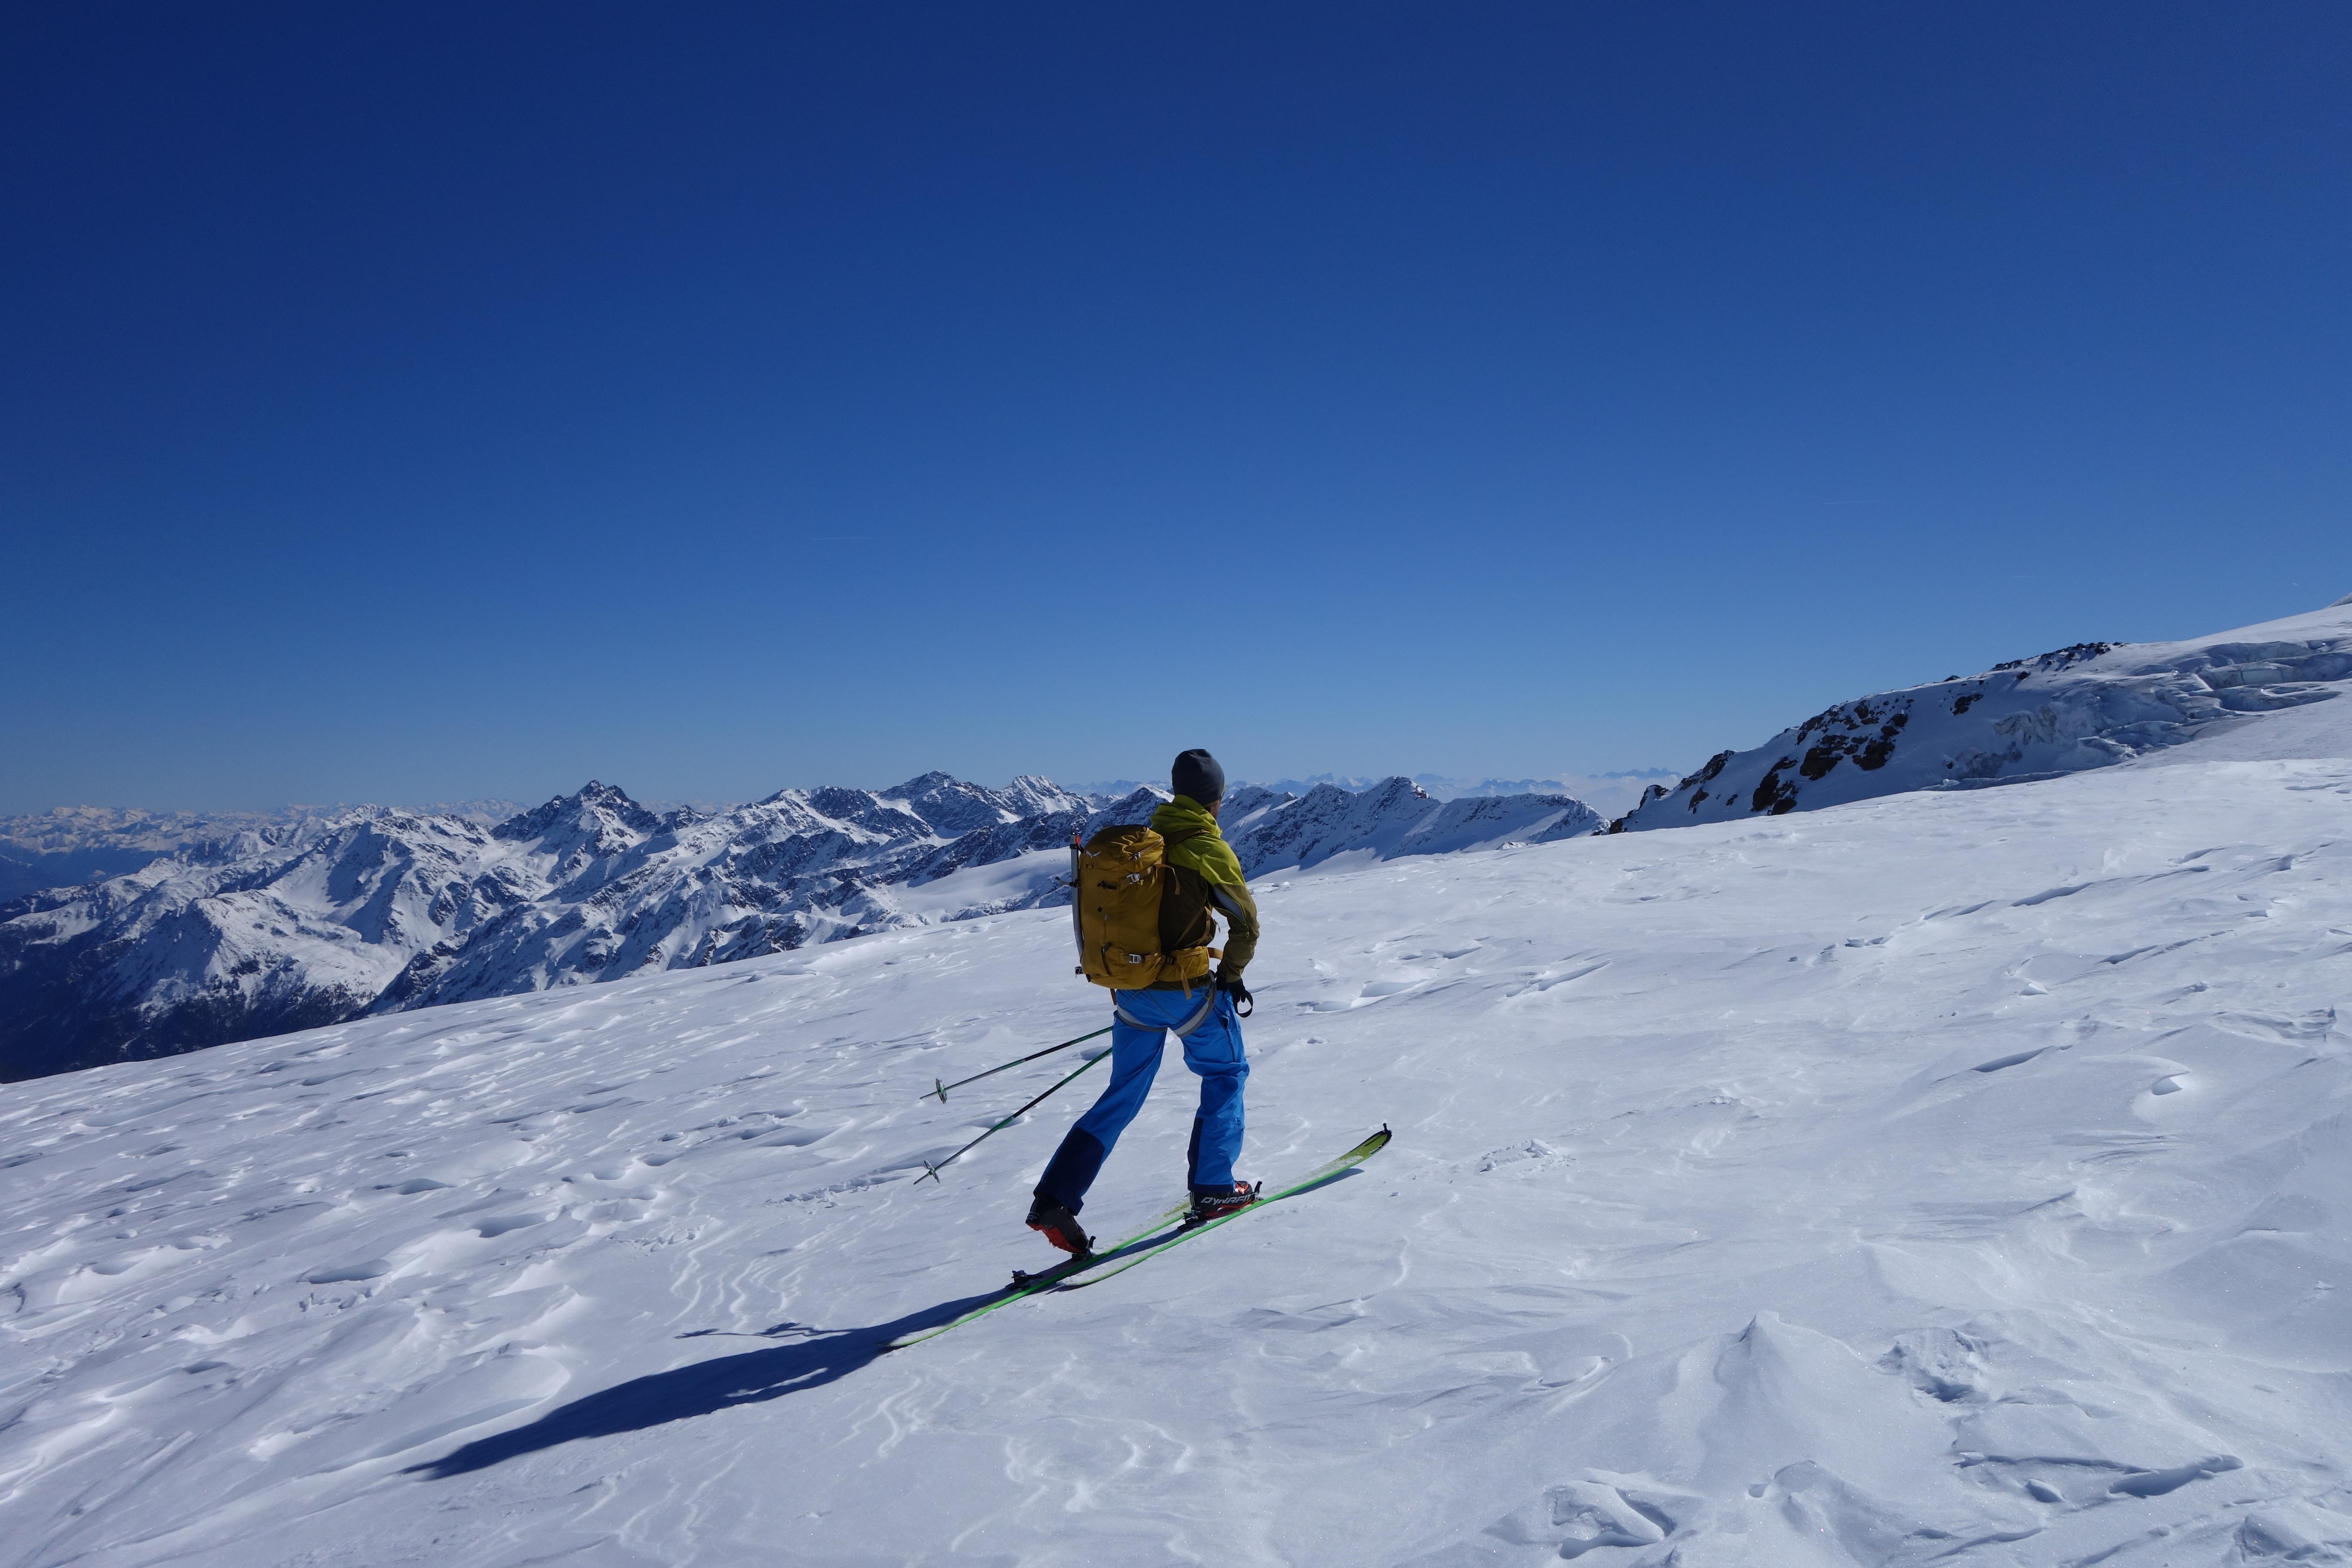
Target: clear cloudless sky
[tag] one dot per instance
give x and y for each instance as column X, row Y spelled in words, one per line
column 410, row 401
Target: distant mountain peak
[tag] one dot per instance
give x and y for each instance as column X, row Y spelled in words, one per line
column 593, row 798
column 925, row 783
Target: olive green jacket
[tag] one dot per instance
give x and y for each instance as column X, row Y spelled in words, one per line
column 1214, row 883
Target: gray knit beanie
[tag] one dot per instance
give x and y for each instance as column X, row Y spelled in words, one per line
column 1196, row 773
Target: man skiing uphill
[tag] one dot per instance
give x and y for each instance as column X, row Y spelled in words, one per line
column 1145, row 902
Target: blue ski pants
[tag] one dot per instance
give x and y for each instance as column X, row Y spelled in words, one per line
column 1212, row 1048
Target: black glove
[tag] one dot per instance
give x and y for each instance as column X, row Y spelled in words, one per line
column 1243, row 1004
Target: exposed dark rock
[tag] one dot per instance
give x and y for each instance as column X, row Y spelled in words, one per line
column 1773, row 793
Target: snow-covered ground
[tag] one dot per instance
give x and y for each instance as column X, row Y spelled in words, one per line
column 1948, row 1177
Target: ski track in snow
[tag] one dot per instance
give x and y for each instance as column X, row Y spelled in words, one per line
column 1953, row 1178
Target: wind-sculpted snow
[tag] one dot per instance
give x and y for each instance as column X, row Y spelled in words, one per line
column 2086, row 706
column 295, row 925
column 1951, row 1178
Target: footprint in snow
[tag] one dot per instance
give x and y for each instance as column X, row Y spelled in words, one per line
column 1532, row 1155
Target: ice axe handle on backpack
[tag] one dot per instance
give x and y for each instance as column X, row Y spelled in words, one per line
column 1077, row 922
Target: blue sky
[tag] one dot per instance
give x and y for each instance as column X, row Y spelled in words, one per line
column 408, row 403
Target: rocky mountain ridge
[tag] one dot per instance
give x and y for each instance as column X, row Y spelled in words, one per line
column 2090, row 705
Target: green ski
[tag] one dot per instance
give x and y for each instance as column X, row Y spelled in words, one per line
column 1132, row 1251
column 1035, row 1284
column 1313, row 1179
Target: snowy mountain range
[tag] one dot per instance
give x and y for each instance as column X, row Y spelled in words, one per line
column 296, row 923
column 77, row 844
column 252, row 927
column 1611, row 793
column 2088, row 706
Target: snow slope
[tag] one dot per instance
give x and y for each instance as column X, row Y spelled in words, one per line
column 2088, row 706
column 1951, row 1177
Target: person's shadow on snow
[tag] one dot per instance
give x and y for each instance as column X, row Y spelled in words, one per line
column 812, row 1359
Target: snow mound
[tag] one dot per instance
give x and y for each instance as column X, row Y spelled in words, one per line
column 2088, row 706
column 1950, row 1177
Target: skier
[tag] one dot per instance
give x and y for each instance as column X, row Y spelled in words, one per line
column 1201, row 877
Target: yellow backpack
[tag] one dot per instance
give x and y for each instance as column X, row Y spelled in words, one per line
column 1120, row 875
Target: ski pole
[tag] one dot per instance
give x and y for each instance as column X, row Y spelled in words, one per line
column 933, row 1171
column 942, row 1089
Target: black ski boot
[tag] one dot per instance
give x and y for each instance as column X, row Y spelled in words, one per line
column 1210, row 1204
column 1060, row 1226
